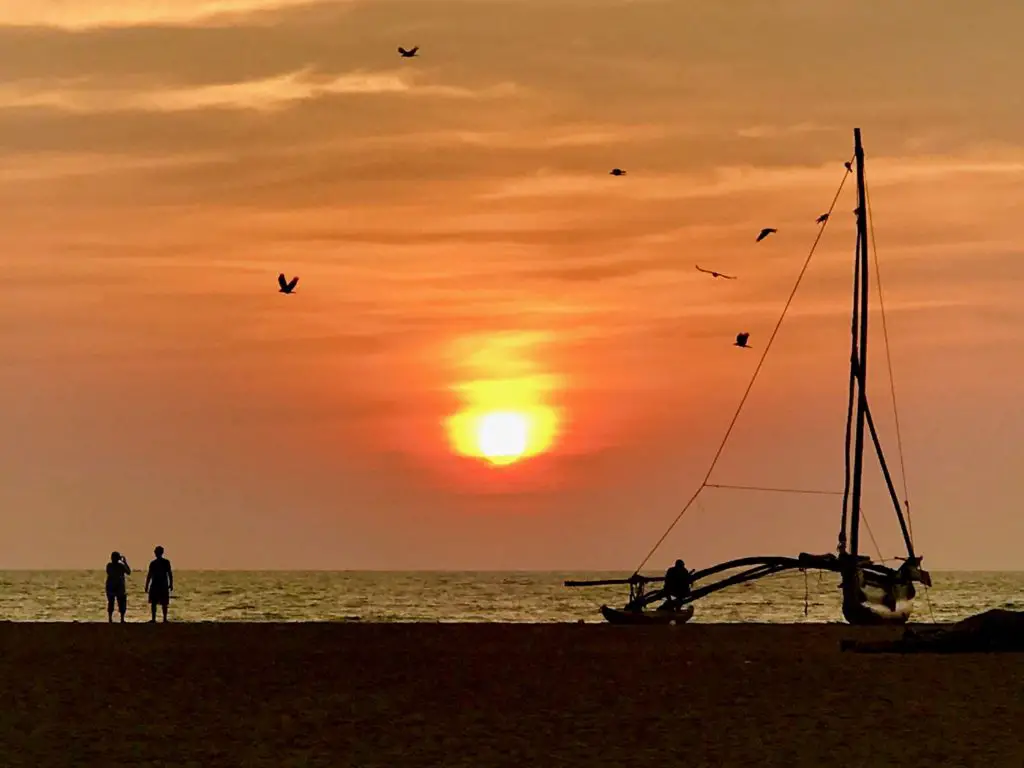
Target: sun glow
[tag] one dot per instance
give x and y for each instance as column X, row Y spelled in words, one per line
column 504, row 418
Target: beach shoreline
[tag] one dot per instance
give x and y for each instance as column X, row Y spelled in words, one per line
column 438, row 694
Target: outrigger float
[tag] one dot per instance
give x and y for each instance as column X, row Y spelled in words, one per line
column 873, row 593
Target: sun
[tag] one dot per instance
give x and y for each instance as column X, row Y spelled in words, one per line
column 502, row 436
column 504, row 415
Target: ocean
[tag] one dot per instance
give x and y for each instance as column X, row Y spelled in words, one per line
column 440, row 596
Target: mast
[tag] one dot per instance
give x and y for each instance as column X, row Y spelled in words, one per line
column 859, row 361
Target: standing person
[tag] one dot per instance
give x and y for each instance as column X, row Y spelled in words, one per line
column 159, row 583
column 117, row 569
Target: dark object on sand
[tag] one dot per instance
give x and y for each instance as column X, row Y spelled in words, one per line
column 657, row 616
column 993, row 631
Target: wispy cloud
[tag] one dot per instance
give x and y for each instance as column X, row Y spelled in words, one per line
column 779, row 131
column 123, row 13
column 62, row 165
column 730, row 180
column 265, row 94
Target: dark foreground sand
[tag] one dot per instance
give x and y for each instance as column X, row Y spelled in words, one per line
column 484, row 695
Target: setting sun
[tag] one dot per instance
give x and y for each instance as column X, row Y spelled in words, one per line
column 502, row 437
column 504, row 417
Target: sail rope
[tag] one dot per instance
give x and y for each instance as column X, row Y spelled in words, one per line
column 888, row 359
column 874, row 541
column 757, row 370
column 772, row 490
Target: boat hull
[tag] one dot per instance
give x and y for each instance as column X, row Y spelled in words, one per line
column 621, row 616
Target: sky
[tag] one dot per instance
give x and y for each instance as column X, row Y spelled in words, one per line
column 465, row 259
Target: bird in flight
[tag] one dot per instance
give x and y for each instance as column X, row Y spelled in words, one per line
column 821, row 219
column 713, row 273
column 764, row 233
column 741, row 340
column 286, row 286
column 617, row 172
column 407, row 54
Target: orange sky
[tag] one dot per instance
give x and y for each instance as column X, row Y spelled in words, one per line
column 452, row 221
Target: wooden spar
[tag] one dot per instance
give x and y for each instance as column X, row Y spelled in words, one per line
column 609, row 582
column 861, row 359
column 892, row 488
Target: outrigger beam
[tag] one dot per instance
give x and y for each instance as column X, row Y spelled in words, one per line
column 754, row 568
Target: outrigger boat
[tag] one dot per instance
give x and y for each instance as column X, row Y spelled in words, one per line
column 873, row 593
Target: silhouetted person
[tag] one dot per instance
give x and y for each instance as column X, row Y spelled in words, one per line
column 677, row 584
column 117, row 569
column 159, row 583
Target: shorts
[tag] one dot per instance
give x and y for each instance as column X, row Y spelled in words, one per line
column 120, row 597
column 159, row 596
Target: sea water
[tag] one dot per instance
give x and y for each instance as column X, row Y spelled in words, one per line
column 440, row 596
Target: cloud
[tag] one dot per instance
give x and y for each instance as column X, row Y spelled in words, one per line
column 119, row 13
column 265, row 94
column 64, row 165
column 731, row 180
column 778, row 131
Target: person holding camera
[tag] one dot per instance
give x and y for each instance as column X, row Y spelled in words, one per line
column 117, row 569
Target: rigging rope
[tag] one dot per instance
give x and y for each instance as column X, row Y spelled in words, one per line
column 928, row 599
column 888, row 359
column 750, row 386
column 878, row 549
column 771, row 490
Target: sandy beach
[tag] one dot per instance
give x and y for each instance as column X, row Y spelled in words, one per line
column 488, row 695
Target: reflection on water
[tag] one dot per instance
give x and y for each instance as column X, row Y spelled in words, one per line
column 504, row 416
column 457, row 596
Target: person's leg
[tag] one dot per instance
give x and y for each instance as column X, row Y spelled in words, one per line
column 110, row 608
column 122, row 605
column 152, row 612
column 164, row 608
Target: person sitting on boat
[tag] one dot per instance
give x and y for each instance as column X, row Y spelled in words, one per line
column 677, row 585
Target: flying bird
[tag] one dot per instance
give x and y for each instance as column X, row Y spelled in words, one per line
column 407, row 54
column 764, row 233
column 617, row 172
column 713, row 273
column 821, row 219
column 286, row 286
column 741, row 340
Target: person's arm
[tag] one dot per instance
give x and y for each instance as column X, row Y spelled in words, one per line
column 170, row 577
column 149, row 578
column 127, row 568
